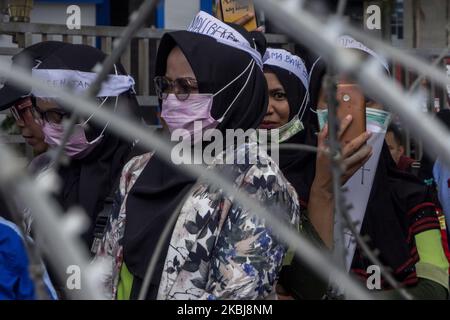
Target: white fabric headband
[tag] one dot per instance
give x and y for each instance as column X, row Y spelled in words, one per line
column 287, row 61
column 350, row 43
column 80, row 81
column 206, row 24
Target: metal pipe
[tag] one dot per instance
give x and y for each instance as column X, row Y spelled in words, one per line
column 138, row 18
column 64, row 250
column 131, row 130
column 303, row 27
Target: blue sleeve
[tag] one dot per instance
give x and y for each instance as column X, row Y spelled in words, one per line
column 15, row 282
column 436, row 169
column 441, row 175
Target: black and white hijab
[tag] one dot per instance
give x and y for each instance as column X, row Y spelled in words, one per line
column 88, row 181
column 218, row 54
column 297, row 166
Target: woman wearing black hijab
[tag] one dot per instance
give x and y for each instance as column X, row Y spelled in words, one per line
column 400, row 219
column 96, row 155
column 290, row 114
column 90, row 181
column 290, row 88
column 216, row 250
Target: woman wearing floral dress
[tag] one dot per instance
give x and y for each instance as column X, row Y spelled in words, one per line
column 217, row 249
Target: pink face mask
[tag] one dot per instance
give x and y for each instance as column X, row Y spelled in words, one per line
column 196, row 108
column 77, row 146
column 183, row 114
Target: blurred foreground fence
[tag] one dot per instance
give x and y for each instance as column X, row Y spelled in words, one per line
column 138, row 59
column 302, row 26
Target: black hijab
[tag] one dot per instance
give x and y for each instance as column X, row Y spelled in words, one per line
column 394, row 193
column 88, row 181
column 215, row 65
column 160, row 188
column 295, row 91
column 297, row 166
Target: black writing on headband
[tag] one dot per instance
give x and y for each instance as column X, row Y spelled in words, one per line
column 293, row 61
column 75, row 84
column 208, row 27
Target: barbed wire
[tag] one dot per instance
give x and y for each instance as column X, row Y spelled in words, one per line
column 342, row 4
column 132, row 130
column 435, row 62
column 362, row 242
column 292, row 27
column 302, row 27
column 54, row 231
column 372, row 255
column 137, row 20
column 336, row 169
column 36, row 267
column 423, row 68
column 342, row 216
column 298, row 27
column 160, row 246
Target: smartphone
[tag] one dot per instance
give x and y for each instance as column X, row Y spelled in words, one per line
column 232, row 10
column 351, row 101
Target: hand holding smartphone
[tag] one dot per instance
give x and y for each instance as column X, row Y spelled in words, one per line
column 351, row 101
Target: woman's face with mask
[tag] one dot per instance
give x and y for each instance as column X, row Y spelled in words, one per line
column 278, row 110
column 179, row 78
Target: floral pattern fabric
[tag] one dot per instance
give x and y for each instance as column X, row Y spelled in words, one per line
column 110, row 251
column 218, row 250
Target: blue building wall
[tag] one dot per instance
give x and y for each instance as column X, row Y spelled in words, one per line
column 102, row 8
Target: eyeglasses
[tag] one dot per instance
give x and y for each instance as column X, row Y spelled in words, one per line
column 19, row 110
column 52, row 116
column 181, row 87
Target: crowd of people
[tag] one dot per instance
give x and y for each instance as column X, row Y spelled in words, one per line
column 218, row 249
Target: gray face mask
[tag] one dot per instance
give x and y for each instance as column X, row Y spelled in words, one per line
column 292, row 127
